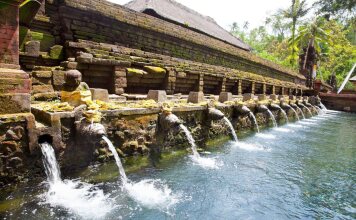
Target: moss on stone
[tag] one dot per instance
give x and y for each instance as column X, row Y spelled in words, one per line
column 46, row 40
column 56, row 52
column 155, row 70
column 135, row 72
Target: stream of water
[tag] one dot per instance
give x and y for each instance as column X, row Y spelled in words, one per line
column 255, row 121
column 306, row 172
column 272, row 118
column 232, row 130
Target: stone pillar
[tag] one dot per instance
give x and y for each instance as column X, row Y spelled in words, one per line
column 120, row 80
column 15, row 84
column 282, row 90
column 239, row 87
column 223, row 85
column 273, row 89
column 200, row 85
column 264, row 88
column 170, row 81
column 252, row 88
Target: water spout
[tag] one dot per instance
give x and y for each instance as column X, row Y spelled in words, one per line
column 209, row 163
column 285, row 115
column 295, row 113
column 117, row 159
column 272, row 118
column 232, row 130
column 190, row 140
column 303, row 106
column 169, row 121
column 81, row 198
column 274, row 106
column 255, row 121
column 323, row 106
column 50, row 163
column 299, row 109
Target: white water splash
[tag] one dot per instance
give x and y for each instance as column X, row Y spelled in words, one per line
column 307, row 123
column 251, row 147
column 209, row 163
column 255, row 121
column 232, row 130
column 283, row 130
column 80, row 198
column 294, row 126
column 272, row 117
column 266, row 136
column 153, row 194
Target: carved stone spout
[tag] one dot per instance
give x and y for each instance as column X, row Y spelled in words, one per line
column 243, row 109
column 262, row 108
column 90, row 130
column 215, row 114
column 169, row 121
column 275, row 107
column 285, row 105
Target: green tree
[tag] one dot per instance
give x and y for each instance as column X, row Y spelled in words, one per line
column 297, row 10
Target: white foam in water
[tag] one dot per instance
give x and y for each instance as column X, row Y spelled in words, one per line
column 206, row 162
column 80, row 198
column 282, row 129
column 251, row 147
column 83, row 199
column 306, row 123
column 266, row 136
column 153, row 194
column 311, row 120
column 150, row 193
column 294, row 126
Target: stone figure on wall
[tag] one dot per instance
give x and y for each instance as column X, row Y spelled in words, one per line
column 332, row 81
column 74, row 91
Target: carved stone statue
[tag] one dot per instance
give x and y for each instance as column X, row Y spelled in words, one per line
column 74, row 91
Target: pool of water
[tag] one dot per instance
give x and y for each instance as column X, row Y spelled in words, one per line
column 301, row 170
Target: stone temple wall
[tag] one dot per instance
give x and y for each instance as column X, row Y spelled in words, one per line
column 43, row 43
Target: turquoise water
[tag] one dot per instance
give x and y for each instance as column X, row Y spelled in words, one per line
column 303, row 170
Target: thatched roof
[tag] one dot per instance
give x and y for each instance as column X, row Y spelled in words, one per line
column 177, row 13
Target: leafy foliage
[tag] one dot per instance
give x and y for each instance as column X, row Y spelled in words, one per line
column 334, row 39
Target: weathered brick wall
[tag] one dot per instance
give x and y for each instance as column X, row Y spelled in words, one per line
column 8, row 34
column 102, row 21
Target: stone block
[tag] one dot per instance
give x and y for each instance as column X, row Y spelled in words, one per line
column 58, row 79
column 32, row 48
column 15, row 103
column 157, row 95
column 196, row 97
column 56, row 52
column 100, row 94
column 273, row 97
column 42, row 89
column 42, row 74
column 248, row 96
column 119, row 91
column 292, row 97
column 225, row 96
column 121, row 82
column 262, row 97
